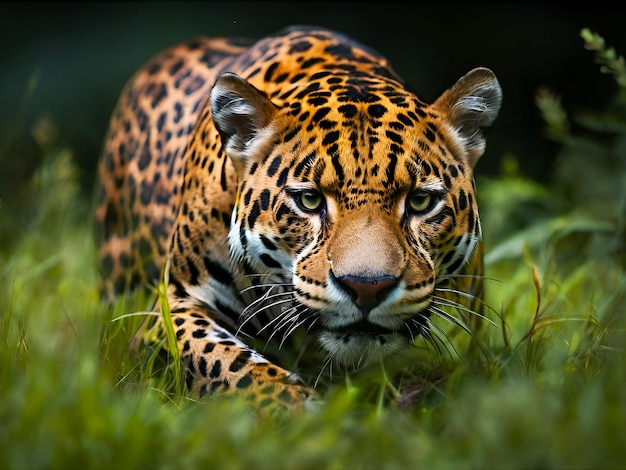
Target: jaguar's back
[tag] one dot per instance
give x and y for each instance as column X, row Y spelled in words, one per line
column 142, row 161
column 292, row 184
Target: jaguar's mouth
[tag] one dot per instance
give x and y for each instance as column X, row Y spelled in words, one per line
column 361, row 328
column 361, row 343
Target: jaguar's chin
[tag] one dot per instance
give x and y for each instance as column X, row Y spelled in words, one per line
column 360, row 344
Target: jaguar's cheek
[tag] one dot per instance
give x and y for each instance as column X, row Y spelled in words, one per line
column 312, row 265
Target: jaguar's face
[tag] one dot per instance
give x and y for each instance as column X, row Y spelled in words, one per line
column 360, row 216
column 358, row 231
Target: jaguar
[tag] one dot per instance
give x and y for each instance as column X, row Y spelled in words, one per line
column 302, row 206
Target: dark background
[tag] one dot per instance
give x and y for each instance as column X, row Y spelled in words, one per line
column 80, row 55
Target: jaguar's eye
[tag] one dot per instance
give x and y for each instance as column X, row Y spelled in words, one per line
column 310, row 200
column 421, row 202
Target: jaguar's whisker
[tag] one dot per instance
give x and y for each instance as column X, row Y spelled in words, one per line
column 443, row 302
column 297, row 324
column 440, row 313
column 287, row 318
column 252, row 315
column 467, row 295
column 279, row 320
column 467, row 276
column 263, row 298
column 411, row 334
column 255, row 286
column 328, row 363
column 438, row 341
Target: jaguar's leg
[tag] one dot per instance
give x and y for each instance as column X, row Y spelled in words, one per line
column 216, row 361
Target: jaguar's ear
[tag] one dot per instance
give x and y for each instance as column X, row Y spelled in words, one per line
column 472, row 105
column 242, row 115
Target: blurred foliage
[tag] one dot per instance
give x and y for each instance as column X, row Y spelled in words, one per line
column 545, row 387
column 587, row 194
column 610, row 62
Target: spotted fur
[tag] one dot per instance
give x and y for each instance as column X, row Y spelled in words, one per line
column 292, row 188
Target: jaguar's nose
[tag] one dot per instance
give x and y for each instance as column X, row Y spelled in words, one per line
column 367, row 293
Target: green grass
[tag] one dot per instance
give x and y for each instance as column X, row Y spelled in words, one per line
column 546, row 389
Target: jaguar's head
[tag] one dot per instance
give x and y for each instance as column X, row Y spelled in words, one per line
column 359, row 196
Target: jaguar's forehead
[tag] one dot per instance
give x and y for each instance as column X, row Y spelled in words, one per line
column 366, row 132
